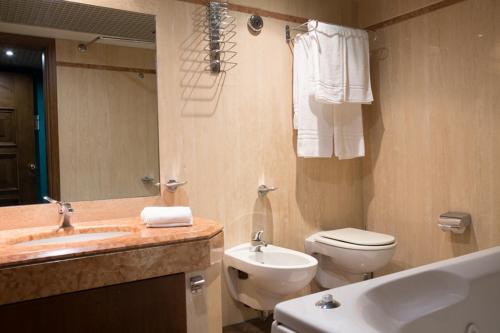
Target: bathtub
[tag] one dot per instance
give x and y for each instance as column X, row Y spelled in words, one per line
column 451, row 296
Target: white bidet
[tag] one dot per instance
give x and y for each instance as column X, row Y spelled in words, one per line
column 264, row 278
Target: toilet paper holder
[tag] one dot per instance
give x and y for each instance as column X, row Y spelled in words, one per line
column 455, row 222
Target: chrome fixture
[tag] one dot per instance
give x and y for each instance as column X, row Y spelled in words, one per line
column 304, row 28
column 147, row 180
column 172, row 185
column 196, row 283
column 65, row 210
column 257, row 241
column 255, row 24
column 220, row 31
column 263, row 190
column 327, row 302
column 83, row 47
column 454, row 221
column 301, row 28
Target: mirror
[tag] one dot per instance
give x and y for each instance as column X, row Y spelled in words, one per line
column 78, row 103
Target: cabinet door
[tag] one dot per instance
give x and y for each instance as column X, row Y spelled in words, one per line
column 149, row 306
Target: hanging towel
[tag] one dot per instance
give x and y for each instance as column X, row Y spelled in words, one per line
column 313, row 120
column 348, row 131
column 341, row 77
column 341, row 64
column 160, row 217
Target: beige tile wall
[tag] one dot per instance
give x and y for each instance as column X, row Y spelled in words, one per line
column 433, row 138
column 227, row 134
column 376, row 11
column 15, row 217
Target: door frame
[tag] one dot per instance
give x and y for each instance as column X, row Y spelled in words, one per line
column 48, row 47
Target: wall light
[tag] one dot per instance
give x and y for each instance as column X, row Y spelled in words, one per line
column 9, row 53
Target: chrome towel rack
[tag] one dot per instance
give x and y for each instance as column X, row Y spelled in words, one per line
column 83, row 47
column 299, row 28
column 303, row 28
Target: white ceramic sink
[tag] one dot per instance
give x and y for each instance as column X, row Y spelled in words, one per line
column 75, row 238
column 263, row 279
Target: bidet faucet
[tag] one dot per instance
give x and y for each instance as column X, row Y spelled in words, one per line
column 65, row 210
column 257, row 241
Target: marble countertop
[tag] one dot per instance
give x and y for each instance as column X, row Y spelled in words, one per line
column 34, row 271
column 13, row 254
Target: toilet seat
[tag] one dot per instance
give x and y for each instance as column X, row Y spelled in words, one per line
column 355, row 239
column 347, row 255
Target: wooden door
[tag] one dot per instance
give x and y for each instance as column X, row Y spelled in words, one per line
column 18, row 184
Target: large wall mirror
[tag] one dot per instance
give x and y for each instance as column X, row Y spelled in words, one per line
column 78, row 102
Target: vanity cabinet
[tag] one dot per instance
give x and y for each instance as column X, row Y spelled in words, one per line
column 156, row 305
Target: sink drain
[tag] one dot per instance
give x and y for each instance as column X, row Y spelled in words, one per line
column 327, row 302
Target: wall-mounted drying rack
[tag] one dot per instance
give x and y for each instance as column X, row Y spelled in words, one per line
column 83, row 47
column 220, row 30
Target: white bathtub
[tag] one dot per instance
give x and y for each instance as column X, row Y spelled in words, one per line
column 451, row 296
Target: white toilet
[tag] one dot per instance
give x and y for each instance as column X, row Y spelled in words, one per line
column 348, row 255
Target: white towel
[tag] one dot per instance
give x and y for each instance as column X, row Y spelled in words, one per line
column 348, row 131
column 341, row 64
column 313, row 120
column 158, row 217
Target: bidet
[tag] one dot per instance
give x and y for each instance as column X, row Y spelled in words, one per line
column 271, row 275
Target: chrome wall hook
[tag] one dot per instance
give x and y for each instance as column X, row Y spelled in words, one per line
column 172, row 185
column 263, row 190
column 147, row 180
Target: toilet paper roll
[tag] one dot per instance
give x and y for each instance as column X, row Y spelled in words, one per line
column 452, row 222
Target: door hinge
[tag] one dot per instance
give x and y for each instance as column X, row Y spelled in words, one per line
column 37, row 122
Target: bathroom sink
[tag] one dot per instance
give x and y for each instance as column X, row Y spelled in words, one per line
column 262, row 279
column 77, row 234
column 76, row 238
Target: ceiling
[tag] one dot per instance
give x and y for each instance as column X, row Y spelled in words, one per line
column 77, row 17
column 23, row 58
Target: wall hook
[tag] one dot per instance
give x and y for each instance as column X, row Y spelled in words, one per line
column 263, row 190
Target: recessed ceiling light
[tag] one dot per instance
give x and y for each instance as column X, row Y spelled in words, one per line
column 9, row 53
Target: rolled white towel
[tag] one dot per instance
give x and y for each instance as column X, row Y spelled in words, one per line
column 164, row 217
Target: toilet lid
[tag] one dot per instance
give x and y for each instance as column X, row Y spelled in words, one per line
column 358, row 237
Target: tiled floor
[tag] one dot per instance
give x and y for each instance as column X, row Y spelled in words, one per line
column 251, row 326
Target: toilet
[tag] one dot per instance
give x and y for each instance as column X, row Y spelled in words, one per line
column 348, row 255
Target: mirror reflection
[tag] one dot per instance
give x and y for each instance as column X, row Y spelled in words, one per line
column 78, row 103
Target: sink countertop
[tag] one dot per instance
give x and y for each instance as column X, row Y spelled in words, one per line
column 34, row 271
column 12, row 254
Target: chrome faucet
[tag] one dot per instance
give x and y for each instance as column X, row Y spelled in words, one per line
column 257, row 241
column 65, row 210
